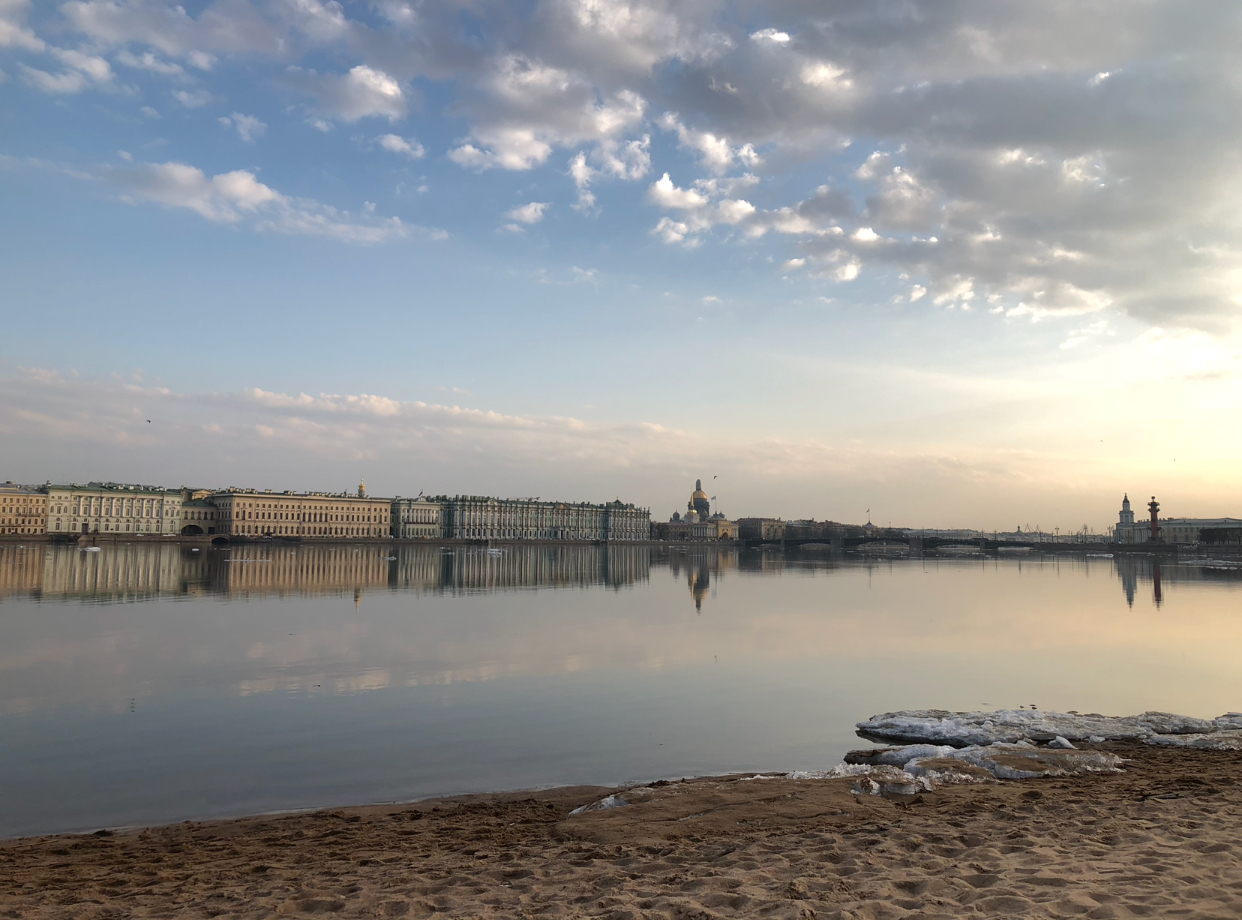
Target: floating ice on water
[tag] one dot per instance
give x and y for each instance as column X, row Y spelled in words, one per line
column 1010, row 726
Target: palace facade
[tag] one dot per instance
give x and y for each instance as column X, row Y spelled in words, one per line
column 113, row 508
column 416, row 519
column 484, row 518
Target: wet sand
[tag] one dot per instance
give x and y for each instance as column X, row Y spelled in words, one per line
column 1162, row 839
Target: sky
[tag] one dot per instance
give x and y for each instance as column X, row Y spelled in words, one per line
column 951, row 264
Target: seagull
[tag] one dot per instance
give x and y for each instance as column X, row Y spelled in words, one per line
column 148, row 421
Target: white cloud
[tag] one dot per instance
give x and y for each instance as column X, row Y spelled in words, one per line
column 528, row 213
column 671, row 231
column 792, row 265
column 93, row 66
column 714, row 151
column 405, row 146
column 664, row 193
column 85, row 70
column 627, row 160
column 239, row 197
column 770, row 35
column 247, row 126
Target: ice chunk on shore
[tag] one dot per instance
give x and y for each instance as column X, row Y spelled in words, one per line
column 1227, row 740
column 933, row 766
column 1019, row 761
column 1010, row 726
column 897, row 756
column 612, row 801
column 1059, row 742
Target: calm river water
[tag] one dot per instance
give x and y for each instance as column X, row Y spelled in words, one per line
column 151, row 684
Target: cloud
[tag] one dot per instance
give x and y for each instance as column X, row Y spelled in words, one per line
column 247, row 126
column 85, row 70
column 149, row 61
column 528, row 213
column 408, row 147
column 56, row 84
column 715, row 152
column 192, row 99
column 1010, row 135
column 523, row 108
column 13, row 31
column 363, row 92
column 239, row 198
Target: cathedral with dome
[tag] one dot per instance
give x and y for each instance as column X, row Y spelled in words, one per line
column 698, row 522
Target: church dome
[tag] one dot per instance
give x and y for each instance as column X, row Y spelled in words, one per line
column 697, row 493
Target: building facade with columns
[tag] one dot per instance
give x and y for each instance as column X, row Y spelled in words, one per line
column 23, row 510
column 473, row 517
column 416, row 519
column 308, row 515
column 113, row 508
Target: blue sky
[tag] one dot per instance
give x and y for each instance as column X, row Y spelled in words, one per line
column 964, row 264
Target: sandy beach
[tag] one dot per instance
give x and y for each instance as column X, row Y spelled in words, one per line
column 1163, row 838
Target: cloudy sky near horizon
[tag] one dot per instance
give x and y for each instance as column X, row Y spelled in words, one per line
column 961, row 263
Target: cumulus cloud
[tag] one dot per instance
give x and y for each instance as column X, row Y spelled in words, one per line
column 524, row 107
column 239, row 198
column 998, row 140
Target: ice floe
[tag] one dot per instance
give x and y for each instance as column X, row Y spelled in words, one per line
column 1010, row 726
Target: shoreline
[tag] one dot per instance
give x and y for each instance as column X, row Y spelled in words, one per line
column 1164, row 835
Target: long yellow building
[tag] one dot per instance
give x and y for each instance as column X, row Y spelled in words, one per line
column 309, row 515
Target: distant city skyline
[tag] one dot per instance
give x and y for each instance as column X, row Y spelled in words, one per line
column 965, row 265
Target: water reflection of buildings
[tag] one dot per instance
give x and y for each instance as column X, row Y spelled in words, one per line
column 137, row 571
column 700, row 564
column 1135, row 569
column 434, row 568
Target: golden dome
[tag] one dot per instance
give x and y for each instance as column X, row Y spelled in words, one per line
column 697, row 493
